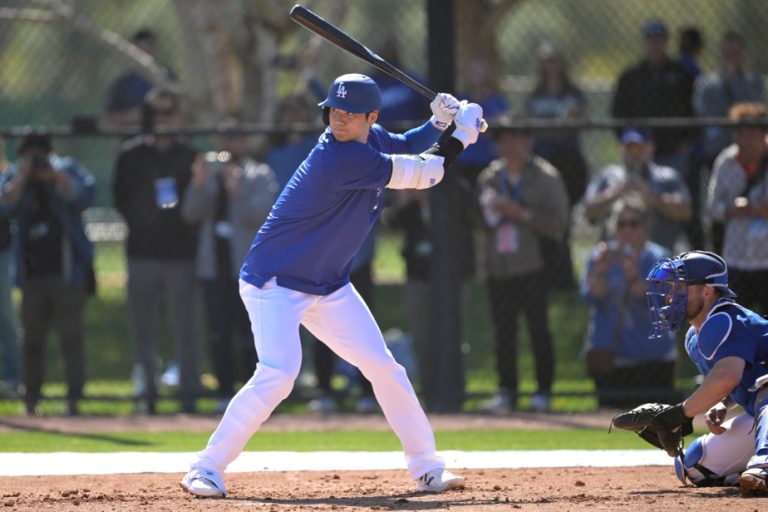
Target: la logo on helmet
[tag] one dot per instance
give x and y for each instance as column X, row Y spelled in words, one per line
column 341, row 92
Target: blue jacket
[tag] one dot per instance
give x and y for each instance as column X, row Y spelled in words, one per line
column 68, row 210
column 633, row 345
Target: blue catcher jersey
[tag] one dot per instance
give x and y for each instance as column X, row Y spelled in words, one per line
column 732, row 330
column 326, row 210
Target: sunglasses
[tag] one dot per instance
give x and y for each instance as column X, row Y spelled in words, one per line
column 629, row 224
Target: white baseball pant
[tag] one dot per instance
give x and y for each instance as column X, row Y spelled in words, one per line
column 725, row 455
column 342, row 321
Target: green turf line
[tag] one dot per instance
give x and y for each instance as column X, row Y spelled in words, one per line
column 469, row 440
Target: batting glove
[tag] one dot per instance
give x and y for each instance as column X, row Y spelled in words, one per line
column 444, row 108
column 468, row 121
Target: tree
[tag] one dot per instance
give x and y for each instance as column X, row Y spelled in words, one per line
column 477, row 24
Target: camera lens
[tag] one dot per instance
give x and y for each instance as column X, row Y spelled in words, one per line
column 216, row 160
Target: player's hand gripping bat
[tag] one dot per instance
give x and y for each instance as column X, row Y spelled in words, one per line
column 336, row 36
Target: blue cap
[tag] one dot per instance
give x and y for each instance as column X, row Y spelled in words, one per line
column 354, row 93
column 707, row 268
column 635, row 136
column 655, row 28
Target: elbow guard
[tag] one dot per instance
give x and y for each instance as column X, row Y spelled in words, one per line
column 416, row 171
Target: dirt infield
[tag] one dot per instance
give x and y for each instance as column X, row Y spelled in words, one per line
column 561, row 490
column 557, row 489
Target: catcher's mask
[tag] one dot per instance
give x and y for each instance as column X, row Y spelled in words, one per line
column 668, row 283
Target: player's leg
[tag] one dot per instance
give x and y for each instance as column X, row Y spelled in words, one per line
column 718, row 460
column 274, row 313
column 346, row 325
column 755, row 479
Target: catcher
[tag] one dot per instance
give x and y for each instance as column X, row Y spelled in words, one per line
column 728, row 343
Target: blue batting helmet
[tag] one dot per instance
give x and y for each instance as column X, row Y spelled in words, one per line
column 668, row 291
column 354, row 93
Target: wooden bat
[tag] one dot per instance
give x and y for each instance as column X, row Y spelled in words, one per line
column 336, row 36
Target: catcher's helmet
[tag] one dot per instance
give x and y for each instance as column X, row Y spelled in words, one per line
column 668, row 298
column 354, row 93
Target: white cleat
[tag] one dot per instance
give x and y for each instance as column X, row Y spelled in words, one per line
column 205, row 484
column 439, row 480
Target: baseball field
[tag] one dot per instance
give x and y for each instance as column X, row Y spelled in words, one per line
column 519, row 477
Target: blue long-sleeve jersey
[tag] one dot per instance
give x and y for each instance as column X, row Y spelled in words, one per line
column 326, row 210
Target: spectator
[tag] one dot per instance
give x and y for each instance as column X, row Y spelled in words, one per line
column 399, row 103
column 289, row 149
column 690, row 47
column 482, row 88
column 45, row 194
column 658, row 87
column 10, row 376
column 151, row 173
column 714, row 94
column 126, row 94
column 738, row 197
column 230, row 196
column 442, row 385
column 556, row 97
column 662, row 189
column 627, row 367
column 523, row 199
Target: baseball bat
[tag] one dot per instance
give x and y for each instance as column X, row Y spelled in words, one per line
column 336, row 36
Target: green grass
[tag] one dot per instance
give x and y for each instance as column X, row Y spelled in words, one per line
column 468, row 440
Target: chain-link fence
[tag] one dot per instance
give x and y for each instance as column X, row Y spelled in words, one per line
column 565, row 78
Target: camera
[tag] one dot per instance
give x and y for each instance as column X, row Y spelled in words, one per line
column 624, row 250
column 216, row 161
column 39, row 162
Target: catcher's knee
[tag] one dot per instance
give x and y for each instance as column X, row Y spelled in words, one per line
column 693, row 455
column 697, row 474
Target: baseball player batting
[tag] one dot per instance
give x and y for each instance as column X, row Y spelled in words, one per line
column 297, row 272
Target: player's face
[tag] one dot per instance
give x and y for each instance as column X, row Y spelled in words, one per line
column 347, row 126
column 695, row 301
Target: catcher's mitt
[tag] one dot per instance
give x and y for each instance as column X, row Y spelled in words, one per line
column 661, row 425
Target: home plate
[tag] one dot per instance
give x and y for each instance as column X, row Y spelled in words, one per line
column 71, row 463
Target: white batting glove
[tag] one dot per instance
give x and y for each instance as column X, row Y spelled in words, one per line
column 444, row 108
column 468, row 120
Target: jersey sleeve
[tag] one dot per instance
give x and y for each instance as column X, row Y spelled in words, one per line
column 354, row 166
column 412, row 142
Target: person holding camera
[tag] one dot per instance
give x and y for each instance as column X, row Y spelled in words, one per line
column 230, row 196
column 46, row 194
column 10, row 354
column 662, row 188
column 627, row 367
